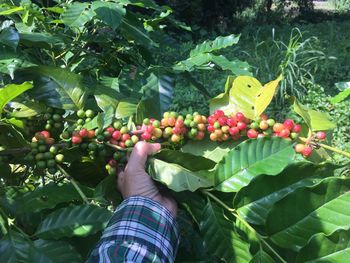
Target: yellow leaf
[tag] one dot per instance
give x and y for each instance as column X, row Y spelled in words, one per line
column 243, row 95
column 264, row 97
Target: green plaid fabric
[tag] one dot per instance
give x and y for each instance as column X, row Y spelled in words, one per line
column 141, row 230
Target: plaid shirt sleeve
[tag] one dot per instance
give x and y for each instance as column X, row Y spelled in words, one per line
column 141, row 230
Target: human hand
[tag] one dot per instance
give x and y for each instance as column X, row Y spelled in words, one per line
column 135, row 181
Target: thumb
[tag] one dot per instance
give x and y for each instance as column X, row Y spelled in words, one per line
column 140, row 153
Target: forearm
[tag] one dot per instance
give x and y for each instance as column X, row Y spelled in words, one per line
column 141, row 230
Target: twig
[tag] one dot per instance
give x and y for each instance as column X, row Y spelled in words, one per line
column 333, row 149
column 76, row 186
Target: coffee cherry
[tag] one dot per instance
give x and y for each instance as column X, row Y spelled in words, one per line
column 254, row 125
column 83, row 133
column 41, row 164
column 124, row 130
column 117, row 125
column 261, row 135
column 146, row 121
column 116, row 135
column 263, row 117
column 211, row 120
column 299, row 148
column 80, row 122
column 264, row 125
column 240, row 116
column 171, row 121
column 129, row 143
column 307, row 151
column 107, row 135
column 201, row 127
column 39, row 156
column 157, row 132
column 156, row 124
column 241, row 125
column 42, row 148
column 135, row 139
column 146, row 136
column 197, row 119
column 50, row 163
column 297, row 128
column 81, row 114
column 289, row 124
column 252, row 134
column 125, row 137
column 218, row 114
column 91, row 134
column 89, row 114
column 76, row 139
column 233, row 131
column 52, row 170
column 179, row 123
column 175, row 138
column 278, row 127
column 48, row 155
column 56, row 117
column 321, row 135
column 231, row 122
column 284, row 133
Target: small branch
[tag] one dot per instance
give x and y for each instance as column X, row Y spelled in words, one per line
column 76, row 186
column 235, row 214
column 333, row 149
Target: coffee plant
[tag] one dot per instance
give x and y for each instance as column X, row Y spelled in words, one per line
column 250, row 188
column 83, row 82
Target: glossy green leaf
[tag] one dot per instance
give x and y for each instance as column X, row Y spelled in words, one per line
column 10, row 137
column 11, row 10
column 140, row 3
column 51, row 195
column 106, row 97
column 180, row 178
column 317, row 121
column 109, row 13
column 80, row 220
column 48, row 251
column 27, row 109
column 236, row 66
column 15, row 248
column 11, row 91
column 220, row 237
column 157, row 98
column 214, row 45
column 126, row 108
column 42, row 40
column 322, row 248
column 133, row 29
column 57, row 87
column 323, row 208
column 9, row 37
column 106, row 191
column 254, row 205
column 262, row 257
column 209, row 149
column 77, row 14
column 193, row 202
column 222, row 101
column 252, row 158
column 341, row 96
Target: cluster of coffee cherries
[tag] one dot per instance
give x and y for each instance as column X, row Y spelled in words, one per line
column 84, row 117
column 174, row 127
column 263, row 126
column 44, row 153
column 307, row 148
column 223, row 128
column 54, row 119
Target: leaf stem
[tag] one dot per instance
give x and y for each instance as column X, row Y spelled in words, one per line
column 235, row 214
column 74, row 183
column 333, row 149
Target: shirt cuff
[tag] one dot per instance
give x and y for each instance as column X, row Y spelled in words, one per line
column 142, row 220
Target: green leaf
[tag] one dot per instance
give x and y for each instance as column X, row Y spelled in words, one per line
column 26, row 109
column 10, row 137
column 79, row 220
column 106, row 191
column 42, row 40
column 220, row 237
column 54, row 252
column 254, row 205
column 157, row 98
column 9, row 37
column 11, row 10
column 57, row 87
column 209, row 149
column 106, row 97
column 141, row 3
column 323, row 208
column 11, row 91
column 317, row 121
column 214, row 45
column 77, row 14
column 322, row 248
column 341, row 96
column 109, row 13
column 126, row 108
column 50, row 195
column 222, row 101
column 262, row 257
column 133, row 29
column 191, row 176
column 15, row 248
column 252, row 158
